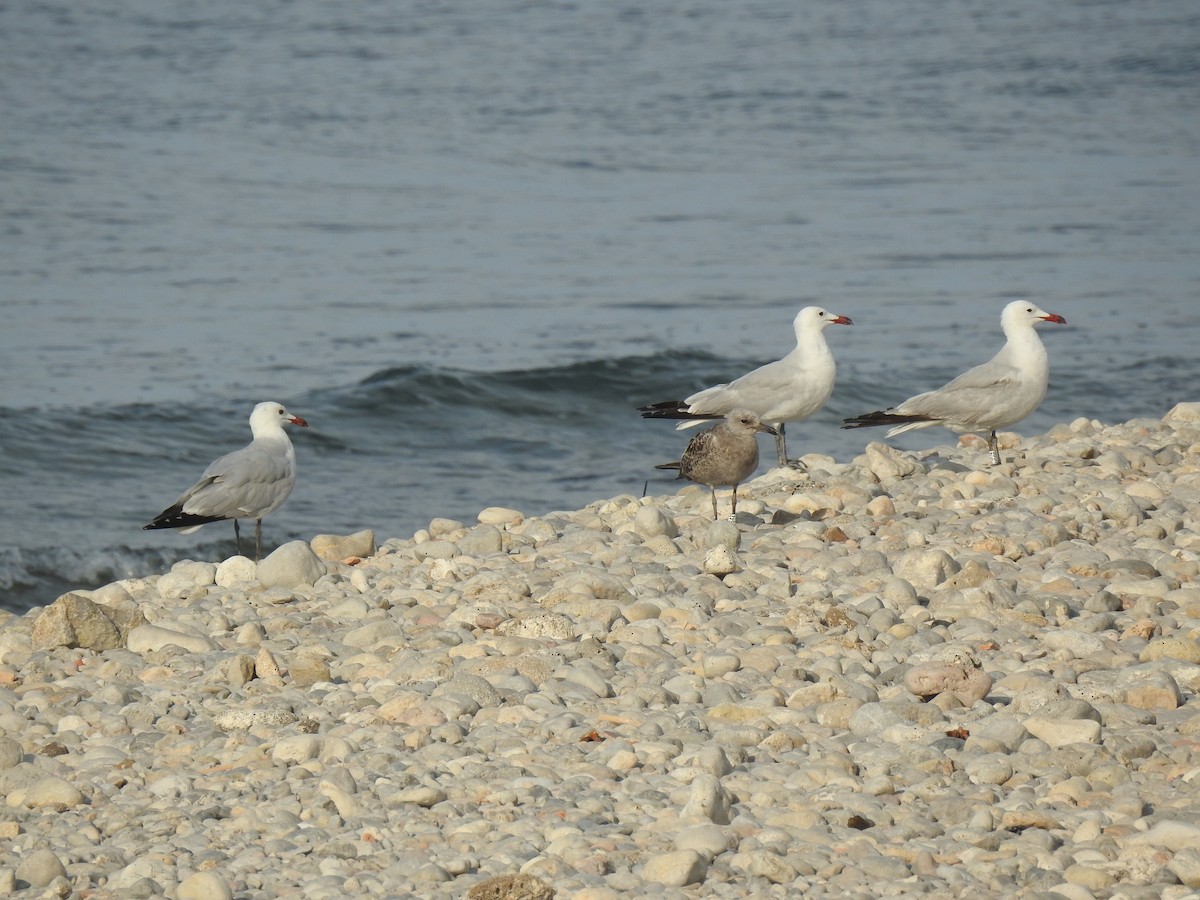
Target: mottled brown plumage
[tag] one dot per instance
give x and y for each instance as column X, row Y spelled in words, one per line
column 724, row 455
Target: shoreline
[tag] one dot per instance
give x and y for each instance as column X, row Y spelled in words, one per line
column 892, row 676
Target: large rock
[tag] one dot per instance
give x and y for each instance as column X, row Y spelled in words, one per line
column 337, row 547
column 888, row 464
column 483, row 540
column 204, row 886
column 290, row 566
column 500, row 516
column 924, row 568
column 1184, row 648
column 11, row 753
column 236, row 570
column 965, row 682
column 75, row 621
column 650, row 521
column 50, row 792
column 675, row 869
column 1183, row 414
column 40, row 868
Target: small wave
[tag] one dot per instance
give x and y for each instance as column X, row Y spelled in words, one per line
column 632, row 379
column 37, row 577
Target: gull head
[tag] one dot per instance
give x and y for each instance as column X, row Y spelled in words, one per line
column 814, row 317
column 1022, row 312
column 744, row 420
column 273, row 415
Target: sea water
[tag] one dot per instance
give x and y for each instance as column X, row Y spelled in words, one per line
column 466, row 241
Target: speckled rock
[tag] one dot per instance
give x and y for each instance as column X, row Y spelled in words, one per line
column 75, row 621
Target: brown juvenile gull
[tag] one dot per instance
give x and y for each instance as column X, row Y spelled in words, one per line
column 724, row 455
column 249, row 483
column 787, row 390
column 998, row 393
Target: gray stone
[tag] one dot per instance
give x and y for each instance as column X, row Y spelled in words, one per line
column 482, row 540
column 765, row 864
column 1062, row 733
column 11, row 753
column 148, row 638
column 1185, row 865
column 290, row 566
column 708, row 840
column 478, row 689
column 650, row 521
column 722, row 533
column 40, row 868
column 437, row 550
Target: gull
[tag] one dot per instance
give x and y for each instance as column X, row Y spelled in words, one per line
column 787, row 390
column 249, row 483
column 724, row 455
column 1001, row 392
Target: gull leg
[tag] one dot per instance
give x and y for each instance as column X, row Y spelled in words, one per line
column 781, row 446
column 237, row 536
column 257, row 539
column 994, row 446
column 714, row 501
column 733, row 503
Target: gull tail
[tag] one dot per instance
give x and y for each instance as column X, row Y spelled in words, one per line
column 880, row 417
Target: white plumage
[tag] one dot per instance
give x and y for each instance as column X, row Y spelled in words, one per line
column 249, row 483
column 998, row 393
column 788, row 390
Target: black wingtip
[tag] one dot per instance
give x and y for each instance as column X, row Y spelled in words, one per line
column 668, row 409
column 881, row 417
column 670, row 465
column 677, row 411
column 175, row 517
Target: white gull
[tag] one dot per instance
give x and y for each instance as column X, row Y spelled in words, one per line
column 998, row 393
column 787, row 390
column 249, row 483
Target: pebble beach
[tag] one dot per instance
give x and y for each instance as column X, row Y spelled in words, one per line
column 901, row 675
